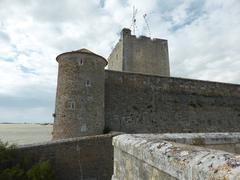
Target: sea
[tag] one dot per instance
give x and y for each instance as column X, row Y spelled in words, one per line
column 20, row 134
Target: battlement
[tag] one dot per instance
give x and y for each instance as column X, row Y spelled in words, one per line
column 125, row 32
column 140, row 54
column 128, row 33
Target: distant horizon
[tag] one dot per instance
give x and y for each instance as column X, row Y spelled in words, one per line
column 19, row 134
column 42, row 123
column 203, row 38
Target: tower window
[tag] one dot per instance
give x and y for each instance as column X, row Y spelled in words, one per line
column 88, row 84
column 81, row 62
column 70, row 105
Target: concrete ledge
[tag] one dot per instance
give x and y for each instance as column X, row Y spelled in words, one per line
column 197, row 138
column 69, row 140
column 180, row 161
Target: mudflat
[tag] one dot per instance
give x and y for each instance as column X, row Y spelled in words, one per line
column 25, row 133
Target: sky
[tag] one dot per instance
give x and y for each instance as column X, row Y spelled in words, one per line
column 203, row 38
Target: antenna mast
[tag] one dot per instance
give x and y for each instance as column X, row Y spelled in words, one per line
column 148, row 27
column 134, row 20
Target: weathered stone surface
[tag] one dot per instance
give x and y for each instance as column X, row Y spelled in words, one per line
column 180, row 161
column 128, row 167
column 198, row 138
column 80, row 95
column 138, row 103
column 229, row 142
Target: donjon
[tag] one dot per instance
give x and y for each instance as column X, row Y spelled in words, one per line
column 79, row 107
column 140, row 55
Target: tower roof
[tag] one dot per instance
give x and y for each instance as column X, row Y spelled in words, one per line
column 82, row 51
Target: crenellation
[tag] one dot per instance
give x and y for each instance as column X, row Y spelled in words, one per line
column 144, row 38
column 140, row 54
column 159, row 40
column 125, row 32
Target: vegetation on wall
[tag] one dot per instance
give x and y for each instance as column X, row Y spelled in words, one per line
column 15, row 166
column 195, row 104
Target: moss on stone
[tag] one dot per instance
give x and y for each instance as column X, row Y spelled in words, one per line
column 198, row 141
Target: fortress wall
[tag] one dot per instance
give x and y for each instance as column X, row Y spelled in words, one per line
column 76, row 158
column 146, row 157
column 115, row 60
column 137, row 103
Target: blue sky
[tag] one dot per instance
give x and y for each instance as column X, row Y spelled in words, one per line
column 203, row 42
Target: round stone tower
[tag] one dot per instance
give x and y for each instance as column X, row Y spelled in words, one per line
column 79, row 109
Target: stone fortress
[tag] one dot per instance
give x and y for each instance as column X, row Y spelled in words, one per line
column 81, row 90
column 170, row 122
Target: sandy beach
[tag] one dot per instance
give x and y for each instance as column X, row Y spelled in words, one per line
column 25, row 133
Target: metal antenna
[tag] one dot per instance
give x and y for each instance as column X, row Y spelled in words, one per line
column 148, row 27
column 134, row 20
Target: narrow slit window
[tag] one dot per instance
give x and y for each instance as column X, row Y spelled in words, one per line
column 72, row 105
column 81, row 62
column 88, row 84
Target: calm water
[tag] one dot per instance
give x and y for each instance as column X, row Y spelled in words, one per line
column 25, row 133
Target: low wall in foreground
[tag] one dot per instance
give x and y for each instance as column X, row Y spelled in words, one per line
column 229, row 142
column 77, row 158
column 150, row 157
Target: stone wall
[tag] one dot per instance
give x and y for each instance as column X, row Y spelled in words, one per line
column 137, row 103
column 144, row 157
column 77, row 158
column 115, row 60
column 128, row 167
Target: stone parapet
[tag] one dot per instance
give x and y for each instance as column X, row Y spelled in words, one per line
column 142, row 156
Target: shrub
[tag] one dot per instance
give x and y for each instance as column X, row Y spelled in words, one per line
column 14, row 166
column 41, row 171
column 13, row 173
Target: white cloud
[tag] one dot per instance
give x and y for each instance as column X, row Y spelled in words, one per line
column 203, row 39
column 22, row 115
column 206, row 49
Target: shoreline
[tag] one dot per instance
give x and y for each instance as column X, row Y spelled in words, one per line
column 44, row 124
